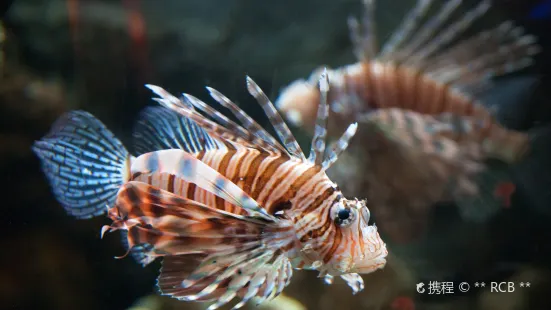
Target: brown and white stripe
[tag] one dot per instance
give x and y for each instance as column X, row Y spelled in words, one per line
column 443, row 134
column 301, row 190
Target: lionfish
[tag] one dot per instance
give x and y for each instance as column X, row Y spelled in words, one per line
column 428, row 134
column 229, row 208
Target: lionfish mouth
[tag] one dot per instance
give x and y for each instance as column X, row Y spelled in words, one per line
column 370, row 264
column 365, row 265
column 374, row 252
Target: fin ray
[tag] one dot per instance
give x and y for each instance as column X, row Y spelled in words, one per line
column 339, row 146
column 409, row 23
column 429, row 28
column 159, row 128
column 370, row 30
column 451, row 32
column 215, row 115
column 275, row 119
column 363, row 34
column 218, row 266
column 216, row 131
column 250, row 124
column 317, row 151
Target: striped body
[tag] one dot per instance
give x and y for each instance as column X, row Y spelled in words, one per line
column 266, row 177
column 277, row 183
column 379, row 85
column 373, row 87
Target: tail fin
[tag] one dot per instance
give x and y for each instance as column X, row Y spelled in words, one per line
column 494, row 191
column 532, row 174
column 509, row 99
column 84, row 163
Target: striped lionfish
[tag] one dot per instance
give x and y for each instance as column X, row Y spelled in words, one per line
column 418, row 102
column 230, row 209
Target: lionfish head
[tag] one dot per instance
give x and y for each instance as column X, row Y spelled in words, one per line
column 359, row 249
column 347, row 244
column 298, row 102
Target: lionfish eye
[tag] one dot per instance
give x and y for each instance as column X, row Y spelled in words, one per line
column 344, row 216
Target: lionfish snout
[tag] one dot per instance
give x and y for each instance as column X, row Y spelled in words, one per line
column 373, row 252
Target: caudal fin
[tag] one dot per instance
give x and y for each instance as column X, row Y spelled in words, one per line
column 533, row 174
column 494, row 191
column 509, row 99
column 84, row 163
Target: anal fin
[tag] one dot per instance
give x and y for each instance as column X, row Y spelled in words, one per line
column 138, row 252
column 532, row 173
column 208, row 253
column 495, row 188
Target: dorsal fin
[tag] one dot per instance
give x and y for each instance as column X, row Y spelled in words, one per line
column 213, row 114
column 406, row 29
column 159, row 128
column 252, row 134
column 247, row 121
column 223, row 132
column 224, row 121
column 318, row 149
column 364, row 34
column 276, row 120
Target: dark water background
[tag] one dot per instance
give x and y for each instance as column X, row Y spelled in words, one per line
column 97, row 54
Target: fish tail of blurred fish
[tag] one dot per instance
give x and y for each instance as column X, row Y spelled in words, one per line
column 529, row 175
column 516, row 164
column 494, row 190
column 424, row 66
column 532, row 173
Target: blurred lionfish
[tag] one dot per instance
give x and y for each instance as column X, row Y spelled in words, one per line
column 230, row 209
column 417, row 101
